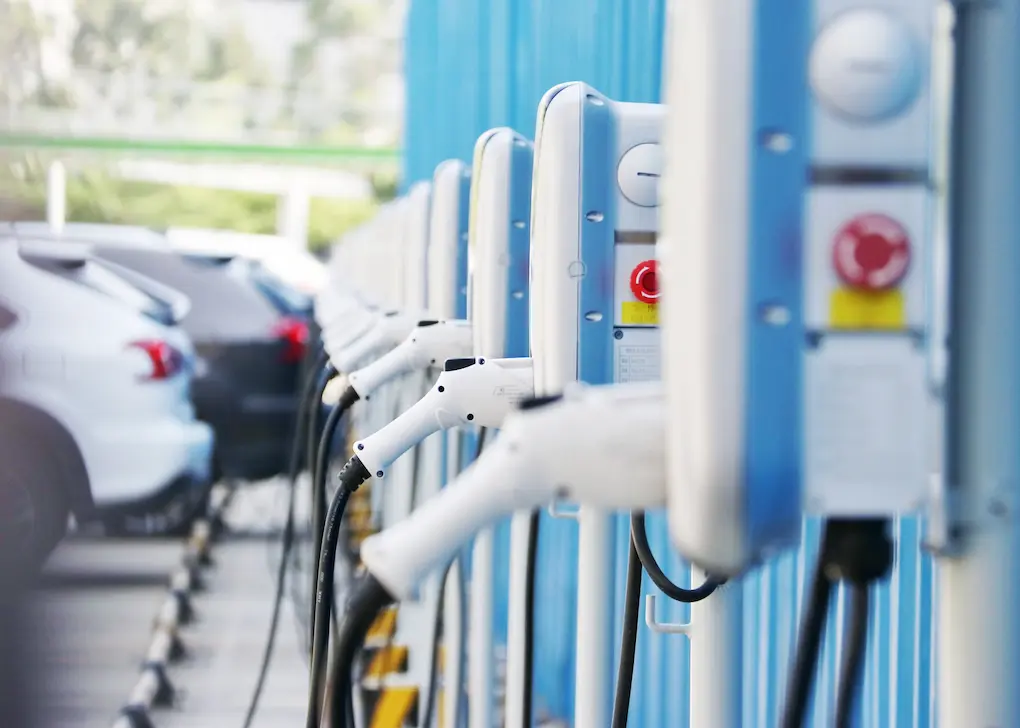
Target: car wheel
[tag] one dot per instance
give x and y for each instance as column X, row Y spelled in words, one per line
column 175, row 518
column 33, row 509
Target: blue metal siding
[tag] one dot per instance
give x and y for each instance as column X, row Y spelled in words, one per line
column 476, row 64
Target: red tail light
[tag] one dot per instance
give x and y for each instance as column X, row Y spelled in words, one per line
column 294, row 334
column 166, row 360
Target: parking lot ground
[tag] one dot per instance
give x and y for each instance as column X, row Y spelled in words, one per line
column 227, row 643
column 99, row 598
column 95, row 608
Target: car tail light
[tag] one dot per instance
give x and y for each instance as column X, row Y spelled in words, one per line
column 294, row 334
column 165, row 359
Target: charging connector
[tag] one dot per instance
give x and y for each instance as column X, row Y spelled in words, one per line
column 602, row 446
column 598, row 445
column 430, row 343
column 469, row 391
column 386, row 332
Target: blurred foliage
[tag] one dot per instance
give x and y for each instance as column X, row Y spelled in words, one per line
column 95, row 196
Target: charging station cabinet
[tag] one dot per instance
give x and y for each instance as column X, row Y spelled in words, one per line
column 448, row 271
column 413, row 477
column 499, row 244
column 594, row 298
column 797, row 261
column 440, row 453
column 394, row 501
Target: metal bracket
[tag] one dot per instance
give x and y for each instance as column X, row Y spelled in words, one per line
column 953, row 514
column 662, row 627
column 556, row 510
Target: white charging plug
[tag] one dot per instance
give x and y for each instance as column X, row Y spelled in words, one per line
column 387, row 332
column 601, row 446
column 476, row 391
column 430, row 343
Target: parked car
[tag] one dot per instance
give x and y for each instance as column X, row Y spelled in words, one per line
column 95, row 414
column 250, row 346
column 292, row 264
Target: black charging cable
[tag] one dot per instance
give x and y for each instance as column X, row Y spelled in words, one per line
column 368, row 597
column 317, row 375
column 859, row 552
column 628, row 644
column 351, row 478
column 639, row 537
column 641, row 559
column 432, row 687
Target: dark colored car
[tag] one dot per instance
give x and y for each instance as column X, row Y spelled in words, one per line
column 250, row 332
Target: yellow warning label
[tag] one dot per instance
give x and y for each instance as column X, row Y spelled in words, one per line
column 637, row 313
column 884, row 310
column 386, row 660
column 394, row 707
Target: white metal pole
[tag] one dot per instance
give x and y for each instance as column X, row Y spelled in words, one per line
column 593, row 686
column 56, row 196
column 292, row 213
column 516, row 644
column 716, row 639
column 480, row 654
column 978, row 601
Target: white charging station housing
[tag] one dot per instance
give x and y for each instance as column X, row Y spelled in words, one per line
column 797, row 278
column 499, row 243
column 594, row 218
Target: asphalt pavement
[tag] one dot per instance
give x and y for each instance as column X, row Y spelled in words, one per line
column 98, row 598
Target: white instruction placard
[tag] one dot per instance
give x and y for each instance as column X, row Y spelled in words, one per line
column 637, row 356
column 867, row 435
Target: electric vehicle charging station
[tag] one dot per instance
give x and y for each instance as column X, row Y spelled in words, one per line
column 499, row 245
column 848, row 320
column 797, row 341
column 593, row 319
column 445, row 272
column 447, row 298
column 394, row 501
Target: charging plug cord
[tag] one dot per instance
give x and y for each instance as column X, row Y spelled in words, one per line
column 368, row 597
column 859, row 552
column 640, row 558
column 351, row 478
column 320, row 469
column 317, row 376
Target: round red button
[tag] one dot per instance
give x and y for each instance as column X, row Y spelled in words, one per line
column 871, row 252
column 644, row 281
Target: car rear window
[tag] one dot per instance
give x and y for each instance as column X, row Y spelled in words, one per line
column 221, row 305
column 94, row 275
column 285, row 299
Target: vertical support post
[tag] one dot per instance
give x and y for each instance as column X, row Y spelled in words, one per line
column 292, row 213
column 56, row 196
column 716, row 642
column 978, row 635
column 594, row 598
column 480, row 653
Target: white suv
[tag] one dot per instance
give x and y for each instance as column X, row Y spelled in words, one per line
column 95, row 416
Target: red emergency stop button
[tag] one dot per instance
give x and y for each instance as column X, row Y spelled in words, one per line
column 871, row 252
column 644, row 281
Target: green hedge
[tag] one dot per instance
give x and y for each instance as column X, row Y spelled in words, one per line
column 98, row 197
